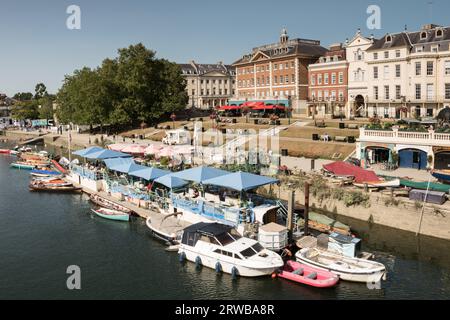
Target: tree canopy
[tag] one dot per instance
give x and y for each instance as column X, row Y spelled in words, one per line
column 134, row 87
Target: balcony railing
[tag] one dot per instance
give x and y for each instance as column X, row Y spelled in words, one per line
column 429, row 138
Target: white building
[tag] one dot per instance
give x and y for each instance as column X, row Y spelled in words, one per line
column 409, row 73
column 208, row 85
column 358, row 74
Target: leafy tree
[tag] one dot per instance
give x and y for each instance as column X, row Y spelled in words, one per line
column 23, row 96
column 40, row 91
column 25, row 110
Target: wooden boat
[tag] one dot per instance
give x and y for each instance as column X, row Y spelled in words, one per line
column 22, row 166
column 112, row 214
column 53, row 188
column 349, row 269
column 379, row 184
column 44, row 173
column 105, row 203
column 441, row 175
column 308, row 275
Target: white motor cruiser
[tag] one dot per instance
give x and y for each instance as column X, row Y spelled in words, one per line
column 221, row 247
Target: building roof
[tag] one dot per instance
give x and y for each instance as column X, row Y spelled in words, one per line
column 305, row 47
column 410, row 39
column 200, row 69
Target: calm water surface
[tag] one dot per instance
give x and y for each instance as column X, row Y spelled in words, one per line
column 42, row 234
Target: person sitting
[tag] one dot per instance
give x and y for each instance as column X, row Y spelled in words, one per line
column 196, row 194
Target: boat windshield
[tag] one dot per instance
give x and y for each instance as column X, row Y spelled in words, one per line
column 251, row 251
column 228, row 237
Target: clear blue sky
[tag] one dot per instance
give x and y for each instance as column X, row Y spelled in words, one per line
column 37, row 47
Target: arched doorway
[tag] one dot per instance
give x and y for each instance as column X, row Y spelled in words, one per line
column 412, row 158
column 444, row 114
column 442, row 160
column 359, row 105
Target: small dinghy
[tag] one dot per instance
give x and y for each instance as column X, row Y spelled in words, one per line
column 349, row 269
column 105, row 203
column 44, row 173
column 112, row 214
column 22, row 166
column 5, row 151
column 308, row 275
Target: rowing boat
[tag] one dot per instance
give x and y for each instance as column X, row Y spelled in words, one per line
column 112, row 214
column 349, row 269
column 105, row 203
column 22, row 165
column 44, row 173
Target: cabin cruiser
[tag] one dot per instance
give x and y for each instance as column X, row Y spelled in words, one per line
column 221, row 247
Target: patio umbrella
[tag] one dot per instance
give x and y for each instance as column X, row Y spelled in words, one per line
column 134, row 149
column 200, row 174
column 148, row 173
column 166, row 152
column 241, row 181
column 152, row 149
column 106, row 154
column 117, row 146
column 183, row 149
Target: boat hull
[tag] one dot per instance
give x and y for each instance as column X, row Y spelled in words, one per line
column 442, row 176
column 22, row 166
column 159, row 234
column 123, row 217
column 227, row 267
column 325, row 279
column 107, row 204
column 371, row 275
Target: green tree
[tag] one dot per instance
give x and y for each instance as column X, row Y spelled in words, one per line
column 23, row 96
column 25, row 110
column 40, row 91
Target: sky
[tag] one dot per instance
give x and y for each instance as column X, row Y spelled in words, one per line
column 36, row 45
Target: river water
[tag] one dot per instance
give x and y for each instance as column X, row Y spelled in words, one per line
column 42, row 234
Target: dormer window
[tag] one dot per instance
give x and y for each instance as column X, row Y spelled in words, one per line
column 388, row 38
column 423, row 35
column 439, row 33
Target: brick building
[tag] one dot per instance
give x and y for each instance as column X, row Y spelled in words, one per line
column 328, row 84
column 278, row 72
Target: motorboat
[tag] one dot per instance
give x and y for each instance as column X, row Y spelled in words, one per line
column 305, row 274
column 22, row 165
column 111, row 214
column 5, row 151
column 349, row 269
column 222, row 248
column 44, row 173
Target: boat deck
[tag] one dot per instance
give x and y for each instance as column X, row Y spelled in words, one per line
column 167, row 225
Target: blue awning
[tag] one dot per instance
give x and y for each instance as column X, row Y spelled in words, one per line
column 84, row 152
column 171, row 182
column 241, row 181
column 106, row 154
column 200, row 174
column 148, row 173
column 115, row 162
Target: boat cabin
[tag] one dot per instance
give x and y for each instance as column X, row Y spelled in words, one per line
column 232, row 243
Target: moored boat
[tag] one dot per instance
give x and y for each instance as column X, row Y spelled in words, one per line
column 441, row 175
column 5, row 151
column 111, row 214
column 53, row 188
column 222, row 248
column 160, row 234
column 379, row 184
column 302, row 273
column 349, row 269
column 22, row 165
column 105, row 203
column 322, row 223
column 44, row 173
